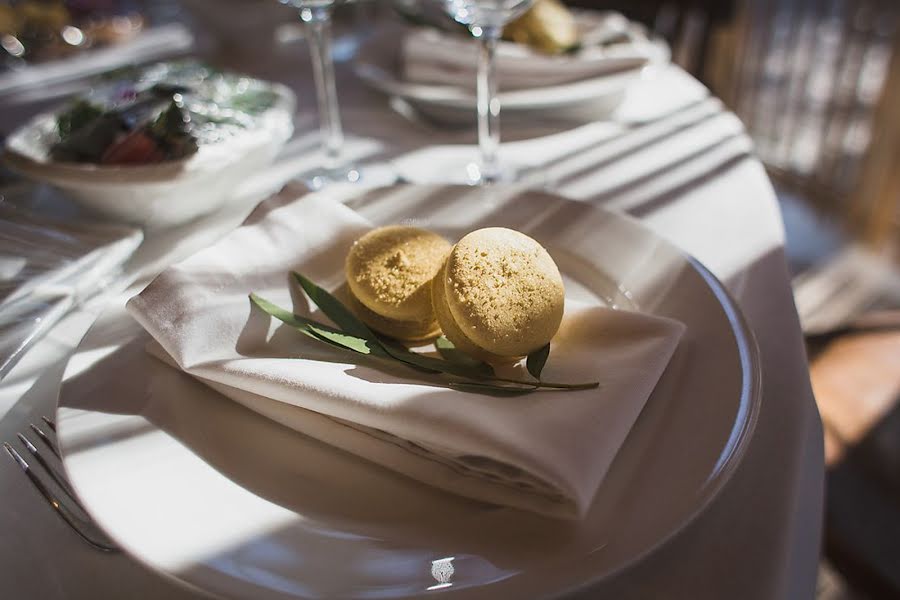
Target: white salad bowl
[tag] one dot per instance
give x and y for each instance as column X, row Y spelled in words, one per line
column 160, row 194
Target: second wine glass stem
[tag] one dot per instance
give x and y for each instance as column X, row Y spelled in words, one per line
column 318, row 22
column 488, row 103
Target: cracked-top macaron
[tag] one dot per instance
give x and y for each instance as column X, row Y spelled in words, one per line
column 499, row 294
column 389, row 272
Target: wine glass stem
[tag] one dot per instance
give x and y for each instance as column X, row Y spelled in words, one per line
column 318, row 23
column 488, row 104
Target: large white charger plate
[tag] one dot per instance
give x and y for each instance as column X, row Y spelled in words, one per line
column 378, row 64
column 229, row 502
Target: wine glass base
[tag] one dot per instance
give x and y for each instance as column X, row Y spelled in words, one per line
column 365, row 175
column 505, row 173
column 460, row 165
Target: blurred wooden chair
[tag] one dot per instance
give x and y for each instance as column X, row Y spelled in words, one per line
column 817, row 83
column 856, row 380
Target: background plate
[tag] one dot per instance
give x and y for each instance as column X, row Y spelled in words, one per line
column 378, row 63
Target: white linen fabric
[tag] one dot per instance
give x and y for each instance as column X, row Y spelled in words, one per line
column 433, row 56
column 546, row 452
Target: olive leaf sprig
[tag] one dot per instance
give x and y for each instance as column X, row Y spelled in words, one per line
column 352, row 335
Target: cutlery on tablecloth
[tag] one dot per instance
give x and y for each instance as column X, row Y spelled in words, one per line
column 75, row 515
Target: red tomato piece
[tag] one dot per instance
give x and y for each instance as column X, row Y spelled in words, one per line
column 136, row 148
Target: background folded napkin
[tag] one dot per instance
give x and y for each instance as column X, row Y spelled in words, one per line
column 545, row 452
column 430, row 55
column 151, row 44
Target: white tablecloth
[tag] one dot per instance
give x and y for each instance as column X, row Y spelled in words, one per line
column 682, row 165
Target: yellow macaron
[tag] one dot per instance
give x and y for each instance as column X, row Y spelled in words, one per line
column 389, row 272
column 499, row 295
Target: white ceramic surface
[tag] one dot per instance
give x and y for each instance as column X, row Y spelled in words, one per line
column 227, row 501
column 377, row 63
column 161, row 194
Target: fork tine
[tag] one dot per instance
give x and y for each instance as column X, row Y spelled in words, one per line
column 51, row 470
column 37, row 431
column 50, row 423
column 15, row 456
column 97, row 540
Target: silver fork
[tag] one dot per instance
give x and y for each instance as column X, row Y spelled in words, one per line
column 80, row 523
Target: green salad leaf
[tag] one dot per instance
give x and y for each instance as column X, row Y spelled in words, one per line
column 76, row 116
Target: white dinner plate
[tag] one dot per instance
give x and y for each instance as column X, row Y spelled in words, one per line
column 378, row 64
column 222, row 499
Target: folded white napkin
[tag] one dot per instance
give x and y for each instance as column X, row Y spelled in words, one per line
column 545, row 452
column 432, row 56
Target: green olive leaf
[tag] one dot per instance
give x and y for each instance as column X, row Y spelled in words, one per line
column 431, row 363
column 313, row 329
column 342, row 339
column 491, row 389
column 354, row 335
column 451, row 353
column 536, row 361
column 342, row 316
column 286, row 316
column 350, row 323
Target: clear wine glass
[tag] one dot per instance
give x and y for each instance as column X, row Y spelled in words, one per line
column 485, row 20
column 316, row 15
